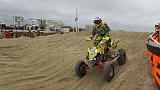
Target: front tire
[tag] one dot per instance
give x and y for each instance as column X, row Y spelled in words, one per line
column 80, row 69
column 108, row 71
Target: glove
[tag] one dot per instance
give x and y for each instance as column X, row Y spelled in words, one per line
column 89, row 39
column 108, row 33
column 105, row 38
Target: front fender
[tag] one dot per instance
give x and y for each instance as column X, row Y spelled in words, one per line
column 91, row 56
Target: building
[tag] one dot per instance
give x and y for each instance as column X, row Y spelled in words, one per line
column 34, row 24
column 53, row 25
column 45, row 24
column 89, row 27
column 66, row 29
column 18, row 22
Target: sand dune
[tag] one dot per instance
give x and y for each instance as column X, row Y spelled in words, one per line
column 48, row 63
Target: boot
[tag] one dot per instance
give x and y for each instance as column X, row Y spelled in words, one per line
column 105, row 57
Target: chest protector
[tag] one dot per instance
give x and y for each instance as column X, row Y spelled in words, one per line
column 101, row 27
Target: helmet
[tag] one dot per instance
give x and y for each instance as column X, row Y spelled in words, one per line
column 98, row 21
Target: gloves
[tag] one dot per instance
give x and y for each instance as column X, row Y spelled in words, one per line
column 105, row 38
column 89, row 39
column 108, row 33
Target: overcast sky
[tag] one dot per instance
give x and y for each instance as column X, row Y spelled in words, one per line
column 128, row 15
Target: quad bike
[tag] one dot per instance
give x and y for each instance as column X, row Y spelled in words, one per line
column 101, row 56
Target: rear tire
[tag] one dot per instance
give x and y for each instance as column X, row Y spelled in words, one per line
column 122, row 57
column 80, row 69
column 108, row 71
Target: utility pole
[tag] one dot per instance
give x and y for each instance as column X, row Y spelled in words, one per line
column 76, row 19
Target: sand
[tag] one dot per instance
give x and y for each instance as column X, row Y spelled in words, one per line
column 48, row 63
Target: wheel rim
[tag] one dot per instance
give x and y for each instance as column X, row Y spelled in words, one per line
column 111, row 71
column 82, row 68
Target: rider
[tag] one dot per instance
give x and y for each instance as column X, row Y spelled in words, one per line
column 104, row 32
column 101, row 27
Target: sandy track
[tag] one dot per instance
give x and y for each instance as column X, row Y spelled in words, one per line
column 48, row 62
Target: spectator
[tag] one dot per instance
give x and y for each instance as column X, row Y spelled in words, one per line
column 16, row 34
column 5, row 33
column 38, row 33
column 11, row 33
column 8, row 34
column 1, row 34
column 34, row 33
column 25, row 27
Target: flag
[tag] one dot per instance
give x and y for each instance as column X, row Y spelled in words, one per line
column 76, row 19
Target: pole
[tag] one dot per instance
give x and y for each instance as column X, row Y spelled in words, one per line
column 76, row 20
